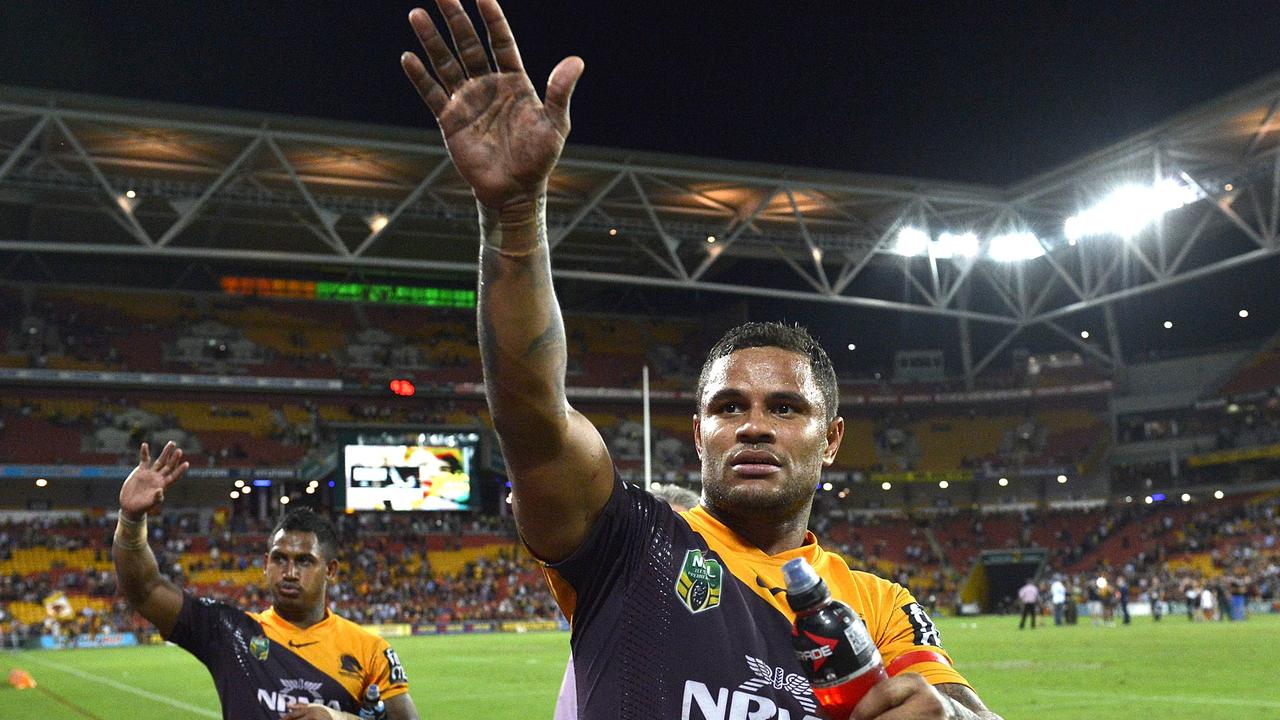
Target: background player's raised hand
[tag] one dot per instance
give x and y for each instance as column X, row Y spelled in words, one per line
column 503, row 140
column 143, row 490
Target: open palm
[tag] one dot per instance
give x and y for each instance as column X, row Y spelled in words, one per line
column 502, row 139
column 143, row 490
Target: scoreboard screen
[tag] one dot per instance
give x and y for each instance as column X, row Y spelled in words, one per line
column 426, row 471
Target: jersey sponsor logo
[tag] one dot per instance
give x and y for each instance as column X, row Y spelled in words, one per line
column 294, row 691
column 746, row 702
column 926, row 633
column 350, row 665
column 259, row 646
column 773, row 590
column 699, row 583
column 395, row 673
column 293, row 644
column 779, row 679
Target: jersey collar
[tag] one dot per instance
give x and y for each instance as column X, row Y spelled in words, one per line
column 703, row 522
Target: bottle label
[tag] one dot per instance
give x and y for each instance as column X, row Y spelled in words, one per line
column 833, row 646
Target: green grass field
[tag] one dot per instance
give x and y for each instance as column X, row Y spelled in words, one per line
column 1171, row 670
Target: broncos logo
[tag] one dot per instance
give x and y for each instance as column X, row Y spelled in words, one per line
column 351, row 665
column 777, row 678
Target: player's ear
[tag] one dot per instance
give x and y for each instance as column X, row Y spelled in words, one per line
column 697, row 434
column 331, row 570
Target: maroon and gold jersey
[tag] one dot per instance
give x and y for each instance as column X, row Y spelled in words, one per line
column 675, row 616
column 261, row 664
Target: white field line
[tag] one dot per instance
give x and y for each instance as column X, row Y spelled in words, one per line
column 1179, row 699
column 204, row 712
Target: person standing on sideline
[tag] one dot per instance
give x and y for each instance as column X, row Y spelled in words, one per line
column 1122, row 593
column 1058, row 597
column 1029, row 595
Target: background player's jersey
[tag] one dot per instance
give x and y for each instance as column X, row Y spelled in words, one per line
column 675, row 616
column 261, row 664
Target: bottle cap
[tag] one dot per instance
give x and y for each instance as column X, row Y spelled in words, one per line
column 800, row 576
column 372, row 693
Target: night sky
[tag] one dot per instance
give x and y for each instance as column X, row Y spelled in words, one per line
column 977, row 92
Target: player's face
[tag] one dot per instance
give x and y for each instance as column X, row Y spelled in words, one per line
column 761, row 432
column 298, row 572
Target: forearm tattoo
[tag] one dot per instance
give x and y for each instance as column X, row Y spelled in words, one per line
column 514, row 232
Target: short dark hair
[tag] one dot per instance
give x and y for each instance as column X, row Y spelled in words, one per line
column 304, row 519
column 794, row 338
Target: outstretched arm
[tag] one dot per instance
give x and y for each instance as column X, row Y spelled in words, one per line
column 505, row 142
column 148, row 592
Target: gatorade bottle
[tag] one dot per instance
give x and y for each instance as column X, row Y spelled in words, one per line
column 373, row 708
column 831, row 642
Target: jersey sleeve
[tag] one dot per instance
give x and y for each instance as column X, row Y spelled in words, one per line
column 386, row 670
column 608, row 558
column 198, row 626
column 909, row 640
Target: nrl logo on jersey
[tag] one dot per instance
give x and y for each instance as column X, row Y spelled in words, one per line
column 259, row 646
column 699, row 583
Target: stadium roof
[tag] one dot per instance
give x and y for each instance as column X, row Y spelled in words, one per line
column 101, row 176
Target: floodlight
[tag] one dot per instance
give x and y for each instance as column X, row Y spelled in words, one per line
column 284, row 499
column 1218, row 494
column 852, row 346
column 886, row 485
column 944, row 484
column 377, row 222
column 951, row 245
column 1168, row 324
column 1062, row 479
column 1244, row 313
column 1003, row 482
column 41, row 482
column 827, row 486
column 1084, row 334
column 1129, row 209
column 1186, row 497
column 235, row 495
column 1015, row 246
column 910, row 242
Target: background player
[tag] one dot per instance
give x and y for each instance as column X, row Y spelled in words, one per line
column 296, row 659
column 622, row 562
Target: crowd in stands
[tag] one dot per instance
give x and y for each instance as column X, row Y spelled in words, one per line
column 426, row 570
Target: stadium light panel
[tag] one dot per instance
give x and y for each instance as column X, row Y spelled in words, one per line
column 1012, row 247
column 711, row 238
column 1003, row 482
column 41, row 482
column 1084, row 334
column 1168, row 324
column 239, row 484
column 827, row 486
column 954, row 245
column 131, row 194
column 235, row 495
column 1062, row 479
column 1186, row 497
column 1218, row 494
column 886, row 485
column 944, row 484
column 1244, row 313
column 911, row 242
column 1130, row 209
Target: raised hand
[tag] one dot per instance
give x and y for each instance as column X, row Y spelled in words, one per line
column 503, row 140
column 143, row 490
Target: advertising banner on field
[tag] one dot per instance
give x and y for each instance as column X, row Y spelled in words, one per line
column 102, row 640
